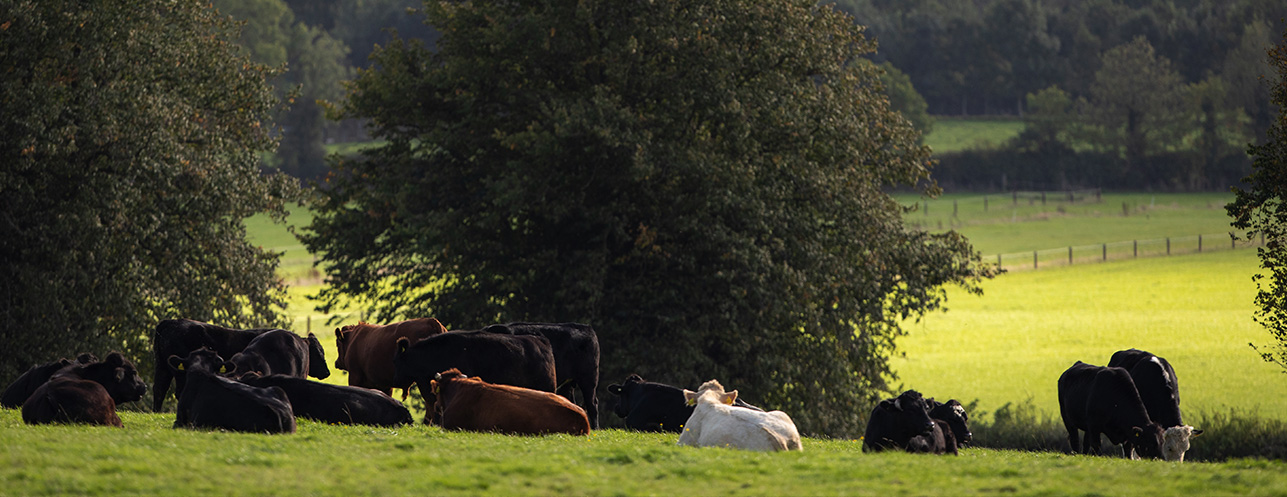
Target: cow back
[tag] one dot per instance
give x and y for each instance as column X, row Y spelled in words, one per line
column 116, row 374
column 519, row 360
column 1156, row 383
column 649, row 406
column 22, row 388
column 576, row 358
column 69, row 399
column 336, row 404
column 220, row 403
column 282, row 352
column 893, row 422
column 367, row 351
column 474, row 405
column 180, row 337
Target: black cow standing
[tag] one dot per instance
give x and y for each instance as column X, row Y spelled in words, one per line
column 1098, row 399
column 212, row 401
column 282, row 352
column 894, row 422
column 85, row 393
column 22, row 388
column 337, row 404
column 576, row 359
column 648, row 406
column 179, row 337
column 1156, row 382
column 519, row 360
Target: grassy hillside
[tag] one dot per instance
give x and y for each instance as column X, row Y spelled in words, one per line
column 955, row 134
column 148, row 457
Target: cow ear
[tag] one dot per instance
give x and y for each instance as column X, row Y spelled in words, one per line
column 898, row 404
column 175, row 362
column 1137, row 431
column 433, row 385
column 120, row 374
column 729, row 397
column 403, row 344
column 1195, row 433
column 690, row 397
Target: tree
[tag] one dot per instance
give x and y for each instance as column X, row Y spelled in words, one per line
column 1261, row 208
column 1137, row 101
column 904, row 99
column 703, row 182
column 131, row 139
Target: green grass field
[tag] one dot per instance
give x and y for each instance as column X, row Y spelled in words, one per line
column 148, row 457
column 956, row 134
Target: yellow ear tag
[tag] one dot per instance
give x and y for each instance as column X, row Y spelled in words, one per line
column 691, row 402
column 223, row 369
column 181, row 368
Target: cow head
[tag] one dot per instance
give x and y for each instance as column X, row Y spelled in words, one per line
column 1175, row 442
column 953, row 413
column 201, row 361
column 711, row 392
column 317, row 359
column 117, row 375
column 342, row 336
column 913, row 413
column 1147, row 441
column 624, row 391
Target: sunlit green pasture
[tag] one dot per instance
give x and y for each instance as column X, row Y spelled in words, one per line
column 148, row 457
column 956, row 134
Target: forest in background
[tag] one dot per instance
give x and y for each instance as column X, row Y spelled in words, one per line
column 1129, row 94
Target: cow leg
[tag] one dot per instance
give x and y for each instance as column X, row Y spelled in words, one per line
column 1072, row 438
column 1091, row 443
column 161, row 385
column 591, row 403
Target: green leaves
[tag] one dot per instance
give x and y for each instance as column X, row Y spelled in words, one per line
column 135, row 134
column 701, row 181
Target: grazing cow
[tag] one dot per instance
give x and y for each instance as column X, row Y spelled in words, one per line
column 366, row 351
column 22, row 388
column 895, row 421
column 519, row 360
column 85, row 393
column 940, row 440
column 212, row 401
column 335, row 403
column 1156, row 382
column 576, row 358
column 953, row 413
column 282, row 352
column 182, row 336
column 1175, row 442
column 716, row 423
column 648, row 406
column 471, row 404
column 1098, row 399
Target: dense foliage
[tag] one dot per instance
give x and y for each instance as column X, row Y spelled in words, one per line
column 700, row 181
column 1261, row 208
column 131, row 140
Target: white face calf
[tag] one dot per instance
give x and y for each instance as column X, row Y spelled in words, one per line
column 1175, row 441
column 714, row 390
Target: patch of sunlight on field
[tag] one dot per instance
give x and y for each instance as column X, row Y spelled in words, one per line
column 1011, row 344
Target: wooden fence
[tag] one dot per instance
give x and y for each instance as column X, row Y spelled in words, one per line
column 1103, row 252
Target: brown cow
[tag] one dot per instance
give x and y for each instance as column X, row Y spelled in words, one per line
column 85, row 393
column 471, row 404
column 366, row 351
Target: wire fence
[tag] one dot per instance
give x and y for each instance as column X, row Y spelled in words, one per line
column 1130, row 249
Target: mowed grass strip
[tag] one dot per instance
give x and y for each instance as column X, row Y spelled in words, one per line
column 148, row 457
column 954, row 135
column 1012, row 343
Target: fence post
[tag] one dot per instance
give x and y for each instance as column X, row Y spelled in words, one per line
column 1199, row 244
column 308, row 324
column 1168, row 245
column 1069, row 255
column 1034, row 259
column 1233, row 241
column 953, row 208
column 1105, row 251
column 1043, row 198
column 1016, row 200
column 985, row 203
column 927, row 208
column 1135, row 248
column 998, row 260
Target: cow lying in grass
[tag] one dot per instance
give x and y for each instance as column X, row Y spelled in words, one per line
column 894, row 423
column 649, row 406
column 85, row 393
column 471, row 404
column 716, row 423
column 212, row 401
column 337, row 404
column 21, row 389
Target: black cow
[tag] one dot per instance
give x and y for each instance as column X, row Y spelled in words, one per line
column 519, row 360
column 940, row 440
column 179, row 337
column 22, row 388
column 648, row 406
column 953, row 413
column 282, row 352
column 335, row 403
column 1156, row 382
column 1098, row 399
column 576, row 359
column 895, row 421
column 85, row 393
column 212, row 401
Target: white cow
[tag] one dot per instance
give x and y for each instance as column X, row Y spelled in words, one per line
column 716, row 423
column 1175, row 442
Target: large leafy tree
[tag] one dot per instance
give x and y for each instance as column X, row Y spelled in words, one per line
column 1261, row 208
column 131, row 139
column 704, row 182
column 1137, row 101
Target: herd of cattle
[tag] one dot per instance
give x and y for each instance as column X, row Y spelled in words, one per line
column 257, row 381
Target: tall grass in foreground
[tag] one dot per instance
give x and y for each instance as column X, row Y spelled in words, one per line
column 148, row 457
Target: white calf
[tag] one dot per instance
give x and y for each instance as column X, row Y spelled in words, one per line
column 1175, row 441
column 716, row 423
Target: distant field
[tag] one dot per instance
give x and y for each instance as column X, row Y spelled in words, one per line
column 955, row 134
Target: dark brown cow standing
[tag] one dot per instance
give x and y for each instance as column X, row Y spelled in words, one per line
column 474, row 405
column 179, row 337
column 1103, row 400
column 85, row 393
column 576, row 359
column 282, row 352
column 366, row 351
